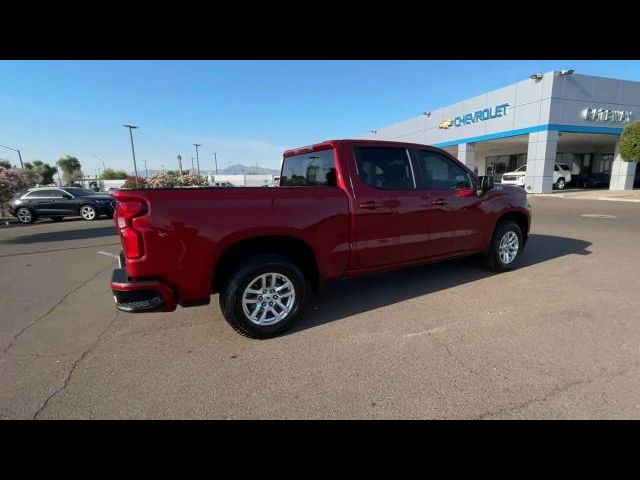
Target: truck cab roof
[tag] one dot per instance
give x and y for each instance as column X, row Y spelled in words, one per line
column 348, row 141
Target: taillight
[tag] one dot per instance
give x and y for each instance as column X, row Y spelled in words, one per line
column 131, row 239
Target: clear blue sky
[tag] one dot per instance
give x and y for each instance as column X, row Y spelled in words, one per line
column 247, row 111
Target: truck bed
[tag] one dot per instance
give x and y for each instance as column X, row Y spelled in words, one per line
column 205, row 221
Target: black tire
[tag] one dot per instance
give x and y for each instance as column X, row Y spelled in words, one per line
column 25, row 215
column 492, row 258
column 87, row 207
column 231, row 295
column 560, row 184
column 57, row 219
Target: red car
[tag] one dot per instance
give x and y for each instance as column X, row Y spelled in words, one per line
column 343, row 208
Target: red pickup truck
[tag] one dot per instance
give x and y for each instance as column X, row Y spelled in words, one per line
column 343, row 208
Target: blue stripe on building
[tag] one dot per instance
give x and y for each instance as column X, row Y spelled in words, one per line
column 537, row 128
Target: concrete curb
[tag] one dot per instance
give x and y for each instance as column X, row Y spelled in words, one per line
column 570, row 197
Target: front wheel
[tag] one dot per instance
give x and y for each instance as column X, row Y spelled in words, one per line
column 88, row 212
column 506, row 247
column 264, row 296
column 560, row 184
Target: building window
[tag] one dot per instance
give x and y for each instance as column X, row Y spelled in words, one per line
column 497, row 165
column 606, row 162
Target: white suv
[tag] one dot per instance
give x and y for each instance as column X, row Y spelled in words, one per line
column 516, row 177
column 561, row 176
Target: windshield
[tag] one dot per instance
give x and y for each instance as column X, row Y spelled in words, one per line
column 523, row 168
column 79, row 192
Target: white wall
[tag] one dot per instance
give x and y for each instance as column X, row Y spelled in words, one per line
column 242, row 180
column 107, row 184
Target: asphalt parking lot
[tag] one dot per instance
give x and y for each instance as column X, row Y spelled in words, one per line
column 557, row 338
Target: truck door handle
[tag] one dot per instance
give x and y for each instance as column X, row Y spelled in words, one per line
column 441, row 202
column 371, row 205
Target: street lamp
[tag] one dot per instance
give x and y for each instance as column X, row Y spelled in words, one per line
column 133, row 152
column 103, row 166
column 215, row 161
column 19, row 154
column 103, row 169
column 197, row 157
column 180, row 164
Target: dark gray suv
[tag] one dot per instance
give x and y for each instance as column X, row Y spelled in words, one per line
column 59, row 202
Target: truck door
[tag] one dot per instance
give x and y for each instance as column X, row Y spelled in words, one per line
column 454, row 209
column 390, row 218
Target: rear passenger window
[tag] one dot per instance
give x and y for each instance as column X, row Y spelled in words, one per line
column 44, row 194
column 385, row 168
column 314, row 169
column 441, row 173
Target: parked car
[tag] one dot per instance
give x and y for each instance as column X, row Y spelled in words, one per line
column 59, row 202
column 223, row 184
column 516, row 177
column 561, row 176
column 597, row 180
column 343, row 208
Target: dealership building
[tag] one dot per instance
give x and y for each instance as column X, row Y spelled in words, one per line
column 556, row 117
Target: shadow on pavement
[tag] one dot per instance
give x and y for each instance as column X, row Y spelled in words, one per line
column 63, row 235
column 343, row 298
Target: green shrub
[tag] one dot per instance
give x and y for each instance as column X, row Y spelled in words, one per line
column 629, row 146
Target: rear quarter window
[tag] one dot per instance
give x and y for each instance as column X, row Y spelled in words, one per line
column 313, row 169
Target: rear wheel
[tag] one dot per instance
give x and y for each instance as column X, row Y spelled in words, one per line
column 25, row 216
column 88, row 212
column 506, row 247
column 560, row 184
column 264, row 296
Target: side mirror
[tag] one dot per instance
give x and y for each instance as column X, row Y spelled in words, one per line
column 485, row 183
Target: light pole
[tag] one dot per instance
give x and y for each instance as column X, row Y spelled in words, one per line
column 197, row 156
column 133, row 152
column 103, row 166
column 19, row 154
column 146, row 171
column 192, row 167
column 215, row 161
column 180, row 164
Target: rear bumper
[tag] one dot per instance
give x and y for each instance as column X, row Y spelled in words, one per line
column 140, row 297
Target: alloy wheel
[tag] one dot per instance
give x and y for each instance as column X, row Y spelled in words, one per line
column 88, row 212
column 24, row 215
column 508, row 247
column 268, row 298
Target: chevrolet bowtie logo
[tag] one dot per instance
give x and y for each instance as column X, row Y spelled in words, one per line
column 446, row 124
